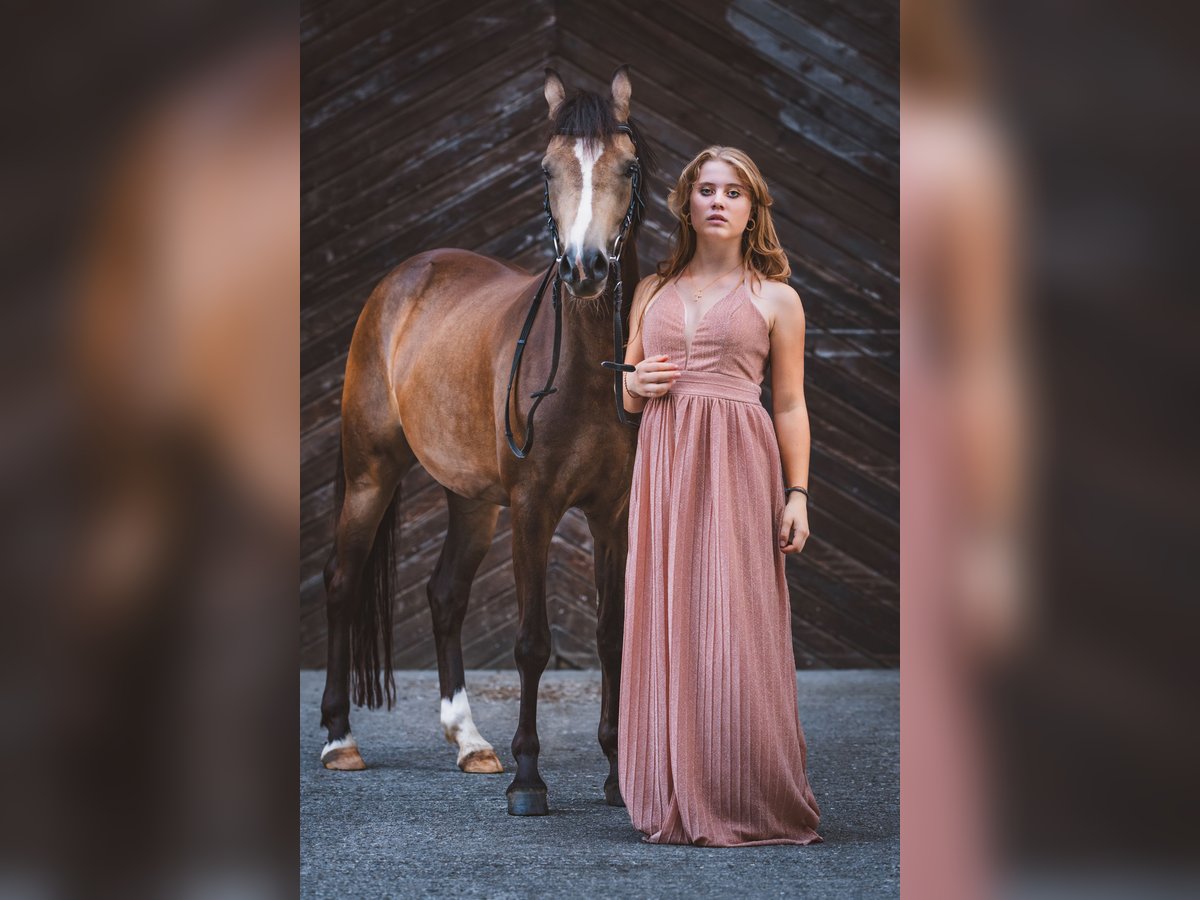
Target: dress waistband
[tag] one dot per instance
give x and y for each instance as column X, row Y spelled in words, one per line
column 717, row 384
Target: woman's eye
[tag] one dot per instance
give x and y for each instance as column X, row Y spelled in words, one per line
column 735, row 193
column 704, row 192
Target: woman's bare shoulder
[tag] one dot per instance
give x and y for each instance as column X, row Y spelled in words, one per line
column 776, row 299
column 776, row 292
column 651, row 284
column 648, row 289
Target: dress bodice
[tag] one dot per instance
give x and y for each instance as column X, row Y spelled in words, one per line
column 732, row 338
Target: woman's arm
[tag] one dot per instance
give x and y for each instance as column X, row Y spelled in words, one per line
column 790, row 411
column 654, row 377
column 634, row 352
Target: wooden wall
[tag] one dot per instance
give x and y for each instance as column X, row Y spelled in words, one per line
column 422, row 126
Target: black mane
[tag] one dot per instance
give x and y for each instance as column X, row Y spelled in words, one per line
column 585, row 115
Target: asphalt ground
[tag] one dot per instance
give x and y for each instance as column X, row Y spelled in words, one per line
column 413, row 825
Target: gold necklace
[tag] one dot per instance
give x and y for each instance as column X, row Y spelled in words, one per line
column 700, row 293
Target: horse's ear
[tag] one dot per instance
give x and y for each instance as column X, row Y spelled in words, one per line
column 555, row 93
column 621, row 91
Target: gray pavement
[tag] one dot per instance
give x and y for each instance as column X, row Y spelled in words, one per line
column 413, row 825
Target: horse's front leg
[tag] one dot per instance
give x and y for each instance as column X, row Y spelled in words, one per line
column 610, row 541
column 534, row 520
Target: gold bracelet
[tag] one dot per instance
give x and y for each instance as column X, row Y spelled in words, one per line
column 630, row 392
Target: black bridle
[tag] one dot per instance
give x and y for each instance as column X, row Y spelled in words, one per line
column 636, row 209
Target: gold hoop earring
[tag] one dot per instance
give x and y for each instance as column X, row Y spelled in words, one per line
column 750, row 225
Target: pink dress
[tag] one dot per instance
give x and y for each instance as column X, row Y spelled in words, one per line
column 710, row 748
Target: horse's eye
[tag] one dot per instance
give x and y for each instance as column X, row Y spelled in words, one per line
column 546, row 173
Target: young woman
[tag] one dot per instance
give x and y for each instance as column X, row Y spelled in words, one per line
column 710, row 747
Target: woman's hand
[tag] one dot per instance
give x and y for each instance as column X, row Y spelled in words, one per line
column 654, row 376
column 795, row 516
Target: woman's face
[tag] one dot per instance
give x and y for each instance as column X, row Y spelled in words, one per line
column 720, row 201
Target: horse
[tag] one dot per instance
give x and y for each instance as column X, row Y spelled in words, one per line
column 425, row 383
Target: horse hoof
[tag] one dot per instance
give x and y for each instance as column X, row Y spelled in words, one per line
column 481, row 762
column 528, row 802
column 612, row 795
column 345, row 759
column 342, row 756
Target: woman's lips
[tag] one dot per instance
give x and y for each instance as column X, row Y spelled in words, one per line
column 716, row 219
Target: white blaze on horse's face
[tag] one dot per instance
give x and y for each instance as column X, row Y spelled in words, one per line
column 589, row 194
column 587, row 157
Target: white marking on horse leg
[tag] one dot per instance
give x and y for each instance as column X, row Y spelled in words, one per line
column 583, row 216
column 339, row 744
column 460, row 727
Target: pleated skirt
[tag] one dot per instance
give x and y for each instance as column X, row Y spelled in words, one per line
column 710, row 746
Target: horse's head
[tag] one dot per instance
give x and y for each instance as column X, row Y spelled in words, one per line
column 590, row 166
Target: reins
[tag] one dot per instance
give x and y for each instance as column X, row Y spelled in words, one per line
column 636, row 208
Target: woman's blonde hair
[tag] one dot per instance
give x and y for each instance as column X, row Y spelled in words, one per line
column 761, row 253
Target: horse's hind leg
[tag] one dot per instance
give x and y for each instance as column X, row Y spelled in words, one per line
column 472, row 525
column 368, row 494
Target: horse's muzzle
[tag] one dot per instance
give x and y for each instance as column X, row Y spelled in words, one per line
column 584, row 273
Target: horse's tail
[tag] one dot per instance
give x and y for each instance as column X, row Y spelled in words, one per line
column 372, row 681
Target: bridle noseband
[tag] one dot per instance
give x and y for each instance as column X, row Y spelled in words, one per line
column 636, row 209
